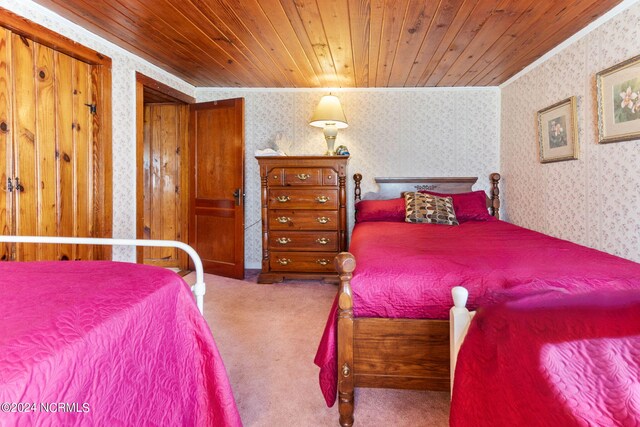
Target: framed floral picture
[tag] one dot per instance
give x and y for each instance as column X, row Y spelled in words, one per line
column 558, row 131
column 619, row 102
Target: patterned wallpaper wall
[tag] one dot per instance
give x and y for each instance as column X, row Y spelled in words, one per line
column 413, row 132
column 594, row 201
column 124, row 67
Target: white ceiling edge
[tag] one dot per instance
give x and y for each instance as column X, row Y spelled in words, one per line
column 615, row 11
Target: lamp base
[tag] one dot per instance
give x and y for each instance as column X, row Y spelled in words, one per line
column 330, row 137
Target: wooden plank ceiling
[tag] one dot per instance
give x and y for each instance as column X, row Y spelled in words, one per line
column 336, row 43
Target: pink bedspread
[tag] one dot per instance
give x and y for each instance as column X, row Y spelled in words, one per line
column 407, row 270
column 106, row 343
column 551, row 359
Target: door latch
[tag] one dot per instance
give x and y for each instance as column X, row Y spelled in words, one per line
column 19, row 186
column 236, row 195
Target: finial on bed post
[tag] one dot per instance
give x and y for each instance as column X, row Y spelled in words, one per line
column 357, row 191
column 345, row 263
column 495, row 194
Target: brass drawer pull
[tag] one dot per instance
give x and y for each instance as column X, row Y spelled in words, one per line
column 322, row 240
column 323, row 261
column 283, row 199
column 284, row 261
column 283, row 240
column 322, row 199
column 323, row 219
column 303, row 176
column 283, row 219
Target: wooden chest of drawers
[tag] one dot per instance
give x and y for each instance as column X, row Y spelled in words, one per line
column 303, row 216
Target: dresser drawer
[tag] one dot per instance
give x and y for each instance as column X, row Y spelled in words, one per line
column 303, row 241
column 295, row 176
column 329, row 177
column 290, row 198
column 316, row 262
column 303, row 220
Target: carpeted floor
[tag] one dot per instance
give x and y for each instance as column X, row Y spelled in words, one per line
column 268, row 335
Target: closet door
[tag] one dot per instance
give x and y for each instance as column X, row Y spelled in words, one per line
column 6, row 156
column 53, row 149
column 165, row 216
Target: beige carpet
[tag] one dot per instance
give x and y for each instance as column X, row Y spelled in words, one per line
column 268, row 335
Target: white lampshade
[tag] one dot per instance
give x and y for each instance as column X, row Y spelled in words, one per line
column 329, row 112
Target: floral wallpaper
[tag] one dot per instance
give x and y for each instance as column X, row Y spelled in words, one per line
column 124, row 67
column 392, row 132
column 594, row 200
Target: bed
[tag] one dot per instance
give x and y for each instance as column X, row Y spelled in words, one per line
column 542, row 356
column 107, row 343
column 389, row 326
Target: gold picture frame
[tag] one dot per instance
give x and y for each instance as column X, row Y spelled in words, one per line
column 618, row 89
column 558, row 131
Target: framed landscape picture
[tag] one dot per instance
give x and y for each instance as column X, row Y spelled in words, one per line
column 558, row 132
column 619, row 102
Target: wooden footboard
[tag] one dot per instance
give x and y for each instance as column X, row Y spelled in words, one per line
column 389, row 353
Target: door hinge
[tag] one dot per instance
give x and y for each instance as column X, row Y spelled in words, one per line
column 93, row 108
column 9, row 185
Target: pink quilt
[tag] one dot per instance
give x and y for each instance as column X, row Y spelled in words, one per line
column 407, row 270
column 551, row 359
column 106, row 343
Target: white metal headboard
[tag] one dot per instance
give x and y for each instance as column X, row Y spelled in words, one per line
column 198, row 289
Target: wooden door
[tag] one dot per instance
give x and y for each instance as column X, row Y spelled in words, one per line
column 6, row 142
column 165, row 138
column 49, row 146
column 216, row 228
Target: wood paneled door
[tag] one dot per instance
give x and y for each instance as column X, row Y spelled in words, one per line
column 165, row 205
column 216, row 228
column 163, row 170
column 52, row 149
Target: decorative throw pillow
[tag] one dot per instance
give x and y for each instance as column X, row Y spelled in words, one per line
column 421, row 207
column 470, row 206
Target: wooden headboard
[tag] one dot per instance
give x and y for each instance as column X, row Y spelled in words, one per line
column 391, row 188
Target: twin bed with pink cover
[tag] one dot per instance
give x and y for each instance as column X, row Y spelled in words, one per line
column 520, row 279
column 106, row 343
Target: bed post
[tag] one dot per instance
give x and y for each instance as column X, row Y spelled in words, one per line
column 459, row 320
column 357, row 191
column 495, row 194
column 345, row 263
